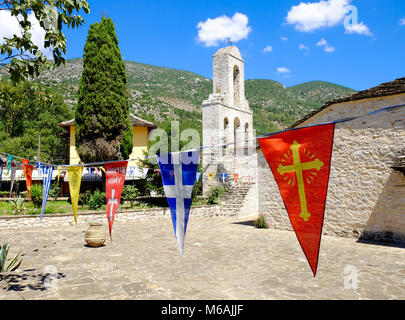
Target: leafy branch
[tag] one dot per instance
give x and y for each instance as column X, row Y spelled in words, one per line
column 23, row 58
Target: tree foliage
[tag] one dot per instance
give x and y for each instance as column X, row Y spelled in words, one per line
column 103, row 128
column 23, row 58
column 27, row 110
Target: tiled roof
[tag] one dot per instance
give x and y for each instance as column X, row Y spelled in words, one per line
column 386, row 89
column 136, row 122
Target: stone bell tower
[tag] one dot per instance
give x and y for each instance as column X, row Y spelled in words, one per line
column 228, row 120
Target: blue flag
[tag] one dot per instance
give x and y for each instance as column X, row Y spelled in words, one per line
column 198, row 176
column 1, row 171
column 223, row 176
column 179, row 175
column 47, row 180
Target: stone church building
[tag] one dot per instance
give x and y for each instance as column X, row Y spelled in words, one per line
column 366, row 194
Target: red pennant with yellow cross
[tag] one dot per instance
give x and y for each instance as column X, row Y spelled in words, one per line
column 300, row 161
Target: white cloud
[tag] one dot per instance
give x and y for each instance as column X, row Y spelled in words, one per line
column 283, row 70
column 402, row 22
column 323, row 43
column 268, row 49
column 303, row 47
column 213, row 31
column 329, row 49
column 9, row 26
column 359, row 28
column 308, row 17
column 284, row 38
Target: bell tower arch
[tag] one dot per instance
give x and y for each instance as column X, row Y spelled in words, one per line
column 227, row 119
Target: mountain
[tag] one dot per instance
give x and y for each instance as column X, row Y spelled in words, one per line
column 161, row 94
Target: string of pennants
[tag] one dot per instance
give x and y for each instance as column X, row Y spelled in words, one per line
column 299, row 158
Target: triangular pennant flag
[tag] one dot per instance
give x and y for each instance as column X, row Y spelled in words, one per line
column 249, row 177
column 13, row 166
column 115, row 179
column 1, row 171
column 75, row 179
column 223, row 176
column 10, row 159
column 178, row 176
column 47, row 181
column 300, row 161
column 40, row 168
column 210, row 176
column 24, row 162
column 98, row 172
column 236, row 176
column 59, row 170
column 198, row 175
column 132, row 170
column 28, row 169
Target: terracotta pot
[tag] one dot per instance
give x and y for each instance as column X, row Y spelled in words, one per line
column 95, row 235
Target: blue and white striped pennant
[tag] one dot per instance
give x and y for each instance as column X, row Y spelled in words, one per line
column 179, row 175
column 1, row 171
column 47, row 180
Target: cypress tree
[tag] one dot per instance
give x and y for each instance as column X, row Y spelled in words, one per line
column 103, row 127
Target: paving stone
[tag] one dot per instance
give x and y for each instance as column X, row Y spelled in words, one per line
column 224, row 258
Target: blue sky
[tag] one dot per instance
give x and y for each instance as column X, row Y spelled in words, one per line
column 165, row 33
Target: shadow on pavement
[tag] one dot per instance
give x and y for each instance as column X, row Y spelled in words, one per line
column 27, row 281
column 246, row 223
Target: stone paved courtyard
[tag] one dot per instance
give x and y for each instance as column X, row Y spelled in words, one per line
column 224, row 258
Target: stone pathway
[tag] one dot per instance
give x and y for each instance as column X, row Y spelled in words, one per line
column 224, row 258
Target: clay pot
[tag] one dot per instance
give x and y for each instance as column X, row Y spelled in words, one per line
column 95, row 235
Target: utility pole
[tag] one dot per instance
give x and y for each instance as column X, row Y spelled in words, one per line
column 39, row 147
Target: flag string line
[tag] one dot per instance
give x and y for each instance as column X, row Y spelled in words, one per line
column 95, row 164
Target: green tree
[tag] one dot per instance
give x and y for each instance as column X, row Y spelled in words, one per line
column 26, row 111
column 20, row 56
column 103, row 128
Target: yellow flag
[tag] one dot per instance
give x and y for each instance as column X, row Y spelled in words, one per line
column 210, row 175
column 75, row 179
column 59, row 168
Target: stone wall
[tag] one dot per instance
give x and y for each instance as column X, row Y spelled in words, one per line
column 366, row 198
column 84, row 219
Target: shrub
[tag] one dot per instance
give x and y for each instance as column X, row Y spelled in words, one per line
column 36, row 195
column 84, row 198
column 261, row 222
column 17, row 205
column 97, row 200
column 129, row 193
column 215, row 194
column 54, row 191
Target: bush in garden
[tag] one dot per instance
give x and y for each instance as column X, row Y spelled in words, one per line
column 215, row 194
column 97, row 200
column 36, row 195
column 84, row 198
column 130, row 194
column 54, row 191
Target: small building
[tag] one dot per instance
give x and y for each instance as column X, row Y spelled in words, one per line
column 140, row 129
column 366, row 194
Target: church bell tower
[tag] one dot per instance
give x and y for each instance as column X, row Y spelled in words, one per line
column 228, row 121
